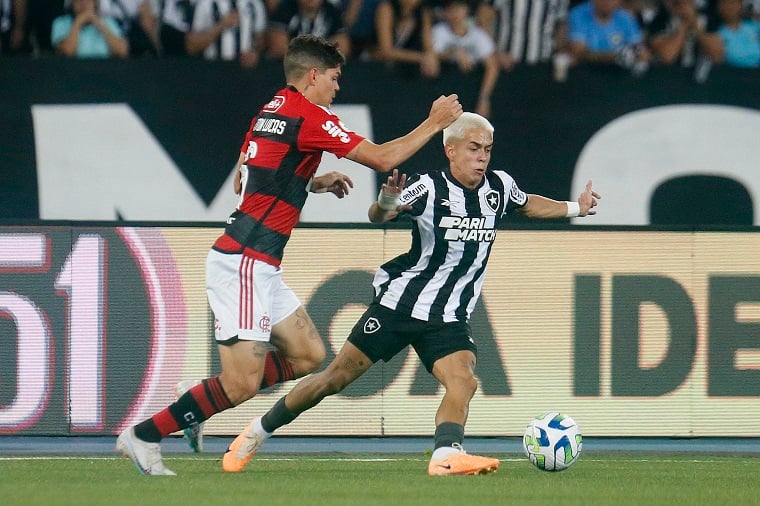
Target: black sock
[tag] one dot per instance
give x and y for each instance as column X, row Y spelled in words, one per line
column 277, row 416
column 447, row 434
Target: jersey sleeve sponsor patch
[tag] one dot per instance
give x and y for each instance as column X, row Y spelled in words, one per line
column 415, row 189
column 323, row 131
column 517, row 196
column 275, row 104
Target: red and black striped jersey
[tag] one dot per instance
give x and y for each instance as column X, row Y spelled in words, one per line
column 283, row 148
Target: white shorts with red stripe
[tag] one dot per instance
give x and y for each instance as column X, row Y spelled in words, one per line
column 247, row 296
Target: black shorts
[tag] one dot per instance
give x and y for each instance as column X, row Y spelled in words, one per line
column 381, row 333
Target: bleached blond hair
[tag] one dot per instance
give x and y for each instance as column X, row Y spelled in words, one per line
column 465, row 122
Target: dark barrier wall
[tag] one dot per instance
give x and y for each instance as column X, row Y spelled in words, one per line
column 198, row 111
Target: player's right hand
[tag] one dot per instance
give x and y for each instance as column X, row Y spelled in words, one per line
column 445, row 110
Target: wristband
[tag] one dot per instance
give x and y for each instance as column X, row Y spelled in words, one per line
column 387, row 201
column 573, row 209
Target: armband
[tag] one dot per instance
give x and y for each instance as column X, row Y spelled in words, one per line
column 387, row 201
column 573, row 209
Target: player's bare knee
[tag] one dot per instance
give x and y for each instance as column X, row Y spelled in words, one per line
column 466, row 385
column 316, row 358
column 239, row 388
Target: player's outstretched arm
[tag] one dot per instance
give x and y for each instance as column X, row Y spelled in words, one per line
column 384, row 157
column 386, row 208
column 542, row 207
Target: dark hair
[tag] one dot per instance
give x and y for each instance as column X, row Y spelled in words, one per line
column 309, row 51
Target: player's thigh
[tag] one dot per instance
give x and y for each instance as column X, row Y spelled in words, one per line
column 442, row 344
column 297, row 337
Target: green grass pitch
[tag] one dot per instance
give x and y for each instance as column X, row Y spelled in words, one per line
column 382, row 479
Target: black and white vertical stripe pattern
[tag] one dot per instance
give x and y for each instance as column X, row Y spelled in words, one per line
column 525, row 28
column 441, row 276
column 178, row 14
column 233, row 41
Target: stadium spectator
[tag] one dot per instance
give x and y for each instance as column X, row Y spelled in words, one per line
column 424, row 298
column 359, row 18
column 602, row 32
column 459, row 40
column 138, row 20
column 681, row 32
column 301, row 17
column 13, row 32
column 176, row 21
column 84, row 33
column 251, row 303
column 740, row 37
column 404, row 35
column 525, row 31
column 40, row 15
column 228, row 30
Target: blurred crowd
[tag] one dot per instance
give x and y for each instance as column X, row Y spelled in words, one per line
column 493, row 36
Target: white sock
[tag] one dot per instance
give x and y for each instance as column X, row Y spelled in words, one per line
column 443, row 452
column 258, row 429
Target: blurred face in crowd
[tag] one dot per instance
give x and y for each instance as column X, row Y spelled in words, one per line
column 409, row 5
column 680, row 8
column 730, row 10
column 309, row 6
column 82, row 6
column 456, row 12
column 603, row 9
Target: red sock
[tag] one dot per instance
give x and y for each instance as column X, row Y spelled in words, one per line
column 277, row 369
column 196, row 406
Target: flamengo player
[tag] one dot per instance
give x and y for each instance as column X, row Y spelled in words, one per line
column 251, row 303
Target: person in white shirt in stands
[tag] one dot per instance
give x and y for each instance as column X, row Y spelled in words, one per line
column 139, row 22
column 458, row 40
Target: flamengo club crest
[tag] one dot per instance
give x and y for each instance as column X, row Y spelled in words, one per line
column 372, row 325
column 264, row 323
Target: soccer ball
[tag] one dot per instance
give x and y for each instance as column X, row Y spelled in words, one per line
column 552, row 441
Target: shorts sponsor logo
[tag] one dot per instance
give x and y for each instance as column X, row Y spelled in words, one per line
column 372, row 325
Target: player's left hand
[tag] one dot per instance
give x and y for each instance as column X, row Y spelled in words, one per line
column 588, row 201
column 333, row 182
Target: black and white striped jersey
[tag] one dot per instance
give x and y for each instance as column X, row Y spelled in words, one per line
column 453, row 228
column 233, row 41
column 526, row 28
